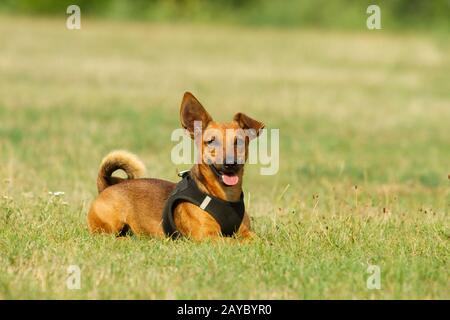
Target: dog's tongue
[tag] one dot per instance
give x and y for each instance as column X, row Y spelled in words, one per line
column 230, row 180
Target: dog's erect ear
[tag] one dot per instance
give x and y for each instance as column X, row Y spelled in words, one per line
column 192, row 110
column 245, row 122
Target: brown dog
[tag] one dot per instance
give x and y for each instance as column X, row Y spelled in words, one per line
column 137, row 203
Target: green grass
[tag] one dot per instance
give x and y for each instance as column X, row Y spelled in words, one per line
column 365, row 109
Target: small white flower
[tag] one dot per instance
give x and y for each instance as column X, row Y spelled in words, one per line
column 56, row 193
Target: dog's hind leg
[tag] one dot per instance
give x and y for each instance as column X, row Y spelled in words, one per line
column 103, row 218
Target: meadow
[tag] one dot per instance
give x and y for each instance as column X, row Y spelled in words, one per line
column 364, row 158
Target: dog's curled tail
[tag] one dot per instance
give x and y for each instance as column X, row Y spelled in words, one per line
column 115, row 160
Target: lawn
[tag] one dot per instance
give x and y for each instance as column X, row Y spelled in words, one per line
column 364, row 158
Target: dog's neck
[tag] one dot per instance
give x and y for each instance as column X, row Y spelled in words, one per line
column 207, row 182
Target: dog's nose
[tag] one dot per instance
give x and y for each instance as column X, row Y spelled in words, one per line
column 230, row 166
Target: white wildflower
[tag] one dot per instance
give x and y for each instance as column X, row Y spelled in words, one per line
column 56, row 193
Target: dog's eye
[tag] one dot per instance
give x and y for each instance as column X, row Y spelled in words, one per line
column 210, row 141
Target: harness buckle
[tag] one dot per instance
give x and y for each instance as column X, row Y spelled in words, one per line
column 181, row 174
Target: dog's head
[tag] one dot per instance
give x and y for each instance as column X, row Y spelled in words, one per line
column 223, row 147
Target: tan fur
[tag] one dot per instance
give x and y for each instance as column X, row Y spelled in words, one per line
column 137, row 204
column 115, row 160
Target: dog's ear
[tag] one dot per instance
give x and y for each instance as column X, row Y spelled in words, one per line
column 192, row 110
column 245, row 122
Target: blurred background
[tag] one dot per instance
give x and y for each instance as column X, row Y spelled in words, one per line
column 364, row 135
column 397, row 14
column 348, row 100
column 339, row 92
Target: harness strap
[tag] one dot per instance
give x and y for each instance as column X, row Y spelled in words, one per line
column 228, row 214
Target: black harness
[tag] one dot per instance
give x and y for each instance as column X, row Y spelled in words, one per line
column 228, row 214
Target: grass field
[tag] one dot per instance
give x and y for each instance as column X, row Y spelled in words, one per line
column 364, row 122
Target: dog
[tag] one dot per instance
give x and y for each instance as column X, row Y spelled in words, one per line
column 136, row 204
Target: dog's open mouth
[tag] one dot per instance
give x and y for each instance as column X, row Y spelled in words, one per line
column 227, row 178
